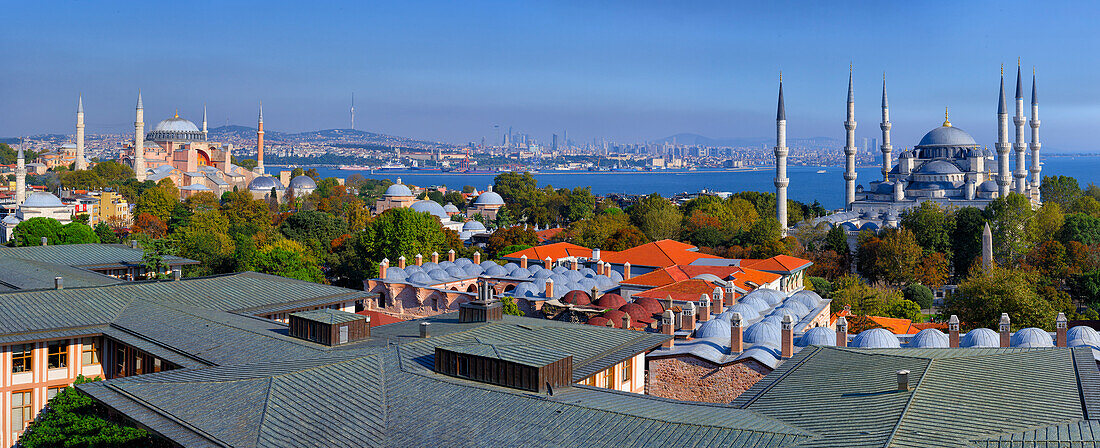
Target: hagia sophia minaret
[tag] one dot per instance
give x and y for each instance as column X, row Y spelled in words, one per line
column 260, row 141
column 20, row 177
column 781, row 180
column 204, row 133
column 1021, row 145
column 850, row 147
column 81, row 163
column 1036, row 168
column 887, row 163
column 1004, row 176
column 139, row 141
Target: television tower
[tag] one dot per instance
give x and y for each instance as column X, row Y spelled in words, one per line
column 353, row 110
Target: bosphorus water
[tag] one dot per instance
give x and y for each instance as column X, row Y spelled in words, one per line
column 807, row 185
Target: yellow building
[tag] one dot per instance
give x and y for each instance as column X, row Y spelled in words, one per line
column 110, row 209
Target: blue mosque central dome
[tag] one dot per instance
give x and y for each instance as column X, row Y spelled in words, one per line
column 947, row 136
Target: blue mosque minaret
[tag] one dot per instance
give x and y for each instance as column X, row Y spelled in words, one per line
column 947, row 166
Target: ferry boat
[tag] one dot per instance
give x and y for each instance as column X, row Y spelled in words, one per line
column 820, row 171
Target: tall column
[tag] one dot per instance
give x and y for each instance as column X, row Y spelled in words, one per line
column 850, row 147
column 1035, row 145
column 260, row 142
column 1004, row 177
column 81, row 163
column 1021, row 145
column 139, row 141
column 204, row 133
column 781, row 180
column 887, row 149
column 20, row 176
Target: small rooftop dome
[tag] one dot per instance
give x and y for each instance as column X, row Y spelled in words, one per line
column 930, row 338
column 489, row 198
column 450, row 208
column 876, row 338
column 615, row 316
column 755, row 302
column 429, row 206
column 762, row 333
column 771, row 296
column 713, row 329
column 598, row 321
column 651, row 305
column 637, row 312
column 303, row 182
column 610, row 300
column 809, row 299
column 1032, row 337
column 576, row 297
column 398, row 189
column 42, row 199
column 817, row 336
column 980, row 337
column 1081, row 336
column 747, row 311
column 264, row 184
column 473, row 226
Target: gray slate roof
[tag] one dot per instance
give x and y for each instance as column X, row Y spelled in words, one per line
column 86, row 255
column 17, row 273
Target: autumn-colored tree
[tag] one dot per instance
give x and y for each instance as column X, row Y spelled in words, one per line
column 150, row 225
column 828, row 264
column 625, row 238
column 510, row 236
column 595, row 232
column 892, row 256
column 932, row 270
column 985, row 294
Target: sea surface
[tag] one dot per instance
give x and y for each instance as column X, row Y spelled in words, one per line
column 807, row 184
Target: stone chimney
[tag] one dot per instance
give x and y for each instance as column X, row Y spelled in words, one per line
column 842, row 332
column 1004, row 328
column 787, row 333
column 419, row 260
column 177, row 272
column 626, row 321
column 1060, row 325
column 133, row 244
column 704, row 308
column 903, row 380
column 477, row 257
column 688, row 320
column 549, row 288
column 595, row 254
column 401, row 262
column 716, row 304
column 953, row 331
column 667, row 327
column 730, row 294
column 626, row 271
column 58, row 283
column 523, row 261
column 547, row 262
column 425, row 329
column 668, row 302
column 451, row 255
column 610, row 324
column 595, row 294
column 435, row 257
column 737, row 333
column 719, row 296
column 45, row 241
column 574, row 264
column 382, row 267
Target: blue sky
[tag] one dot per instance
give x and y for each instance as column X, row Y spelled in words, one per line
column 629, row 71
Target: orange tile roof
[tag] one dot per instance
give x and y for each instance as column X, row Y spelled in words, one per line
column 554, row 251
column 778, row 263
column 659, row 254
column 746, row 275
column 548, row 234
column 672, row 274
column 895, row 325
column 687, row 290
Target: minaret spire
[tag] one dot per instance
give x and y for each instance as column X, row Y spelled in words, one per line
column 204, row 132
column 21, row 175
column 81, row 163
column 781, row 180
column 260, row 141
column 139, row 141
column 353, row 111
column 1003, row 174
column 1021, row 145
column 1036, row 168
column 885, row 125
column 850, row 147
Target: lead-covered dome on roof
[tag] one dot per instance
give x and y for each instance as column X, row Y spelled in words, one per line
column 430, row 206
column 489, row 198
column 42, row 199
column 264, row 183
column 980, row 337
column 876, row 338
column 947, row 136
column 175, row 129
column 817, row 336
column 303, row 182
column 398, row 189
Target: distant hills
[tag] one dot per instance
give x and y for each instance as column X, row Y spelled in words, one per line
column 345, row 135
column 701, row 140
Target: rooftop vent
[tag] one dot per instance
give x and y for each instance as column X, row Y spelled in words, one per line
column 903, row 380
column 510, row 365
column 329, row 327
column 483, row 309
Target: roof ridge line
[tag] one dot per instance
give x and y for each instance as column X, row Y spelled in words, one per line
column 785, row 373
column 166, row 414
column 909, row 403
column 263, row 414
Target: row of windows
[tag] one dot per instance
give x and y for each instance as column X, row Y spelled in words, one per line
column 57, row 355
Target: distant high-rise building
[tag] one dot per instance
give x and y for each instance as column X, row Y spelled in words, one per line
column 554, row 145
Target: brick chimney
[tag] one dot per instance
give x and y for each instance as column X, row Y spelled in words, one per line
column 668, row 302
column 687, row 321
column 737, row 344
column 787, row 333
column 382, row 267
column 667, row 327
column 953, row 331
column 626, row 321
column 435, row 257
column 626, row 271
column 523, row 261
column 401, row 262
column 704, row 308
column 730, row 294
column 1060, row 325
column 1004, row 327
column 716, row 304
column 546, row 262
column 451, row 255
column 477, row 257
column 842, row 332
column 595, row 294
column 719, row 296
column 549, row 288
column 419, row 260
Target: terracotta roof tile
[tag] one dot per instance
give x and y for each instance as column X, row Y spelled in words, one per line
column 548, row 234
column 659, row 254
column 687, row 290
column 778, row 263
column 554, row 251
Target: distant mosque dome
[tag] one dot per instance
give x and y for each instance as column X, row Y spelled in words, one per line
column 430, row 206
column 398, row 189
column 42, row 199
column 947, row 136
column 303, row 184
column 175, row 129
column 264, row 184
column 489, row 198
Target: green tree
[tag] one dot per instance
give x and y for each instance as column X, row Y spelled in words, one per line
column 656, row 217
column 81, row 180
column 891, row 256
column 157, row 201
column 288, row 258
column 401, row 232
column 205, row 239
column 1008, row 217
column 510, row 307
column 903, row 309
column 1061, row 190
column 595, row 232
column 248, row 164
column 1081, row 228
column 504, row 238
column 105, row 234
column 77, row 233
column 919, row 294
column 8, row 156
column 837, row 240
column 931, row 225
column 581, row 204
column 863, row 299
column 112, row 172
column 984, row 295
column 73, row 419
column 31, row 232
column 1085, row 204
column 456, row 198
column 313, row 229
column 966, row 238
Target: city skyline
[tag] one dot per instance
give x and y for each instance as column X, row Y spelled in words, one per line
column 628, row 73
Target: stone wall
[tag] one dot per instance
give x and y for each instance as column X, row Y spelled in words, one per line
column 694, row 379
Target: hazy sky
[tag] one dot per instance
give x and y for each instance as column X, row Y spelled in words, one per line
column 629, row 71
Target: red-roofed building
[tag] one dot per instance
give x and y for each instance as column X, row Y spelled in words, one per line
column 791, row 268
column 682, row 291
column 549, row 234
column 556, row 251
column 744, row 279
column 656, row 255
column 379, row 318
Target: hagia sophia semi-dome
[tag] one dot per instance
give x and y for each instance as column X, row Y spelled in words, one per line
column 947, row 136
